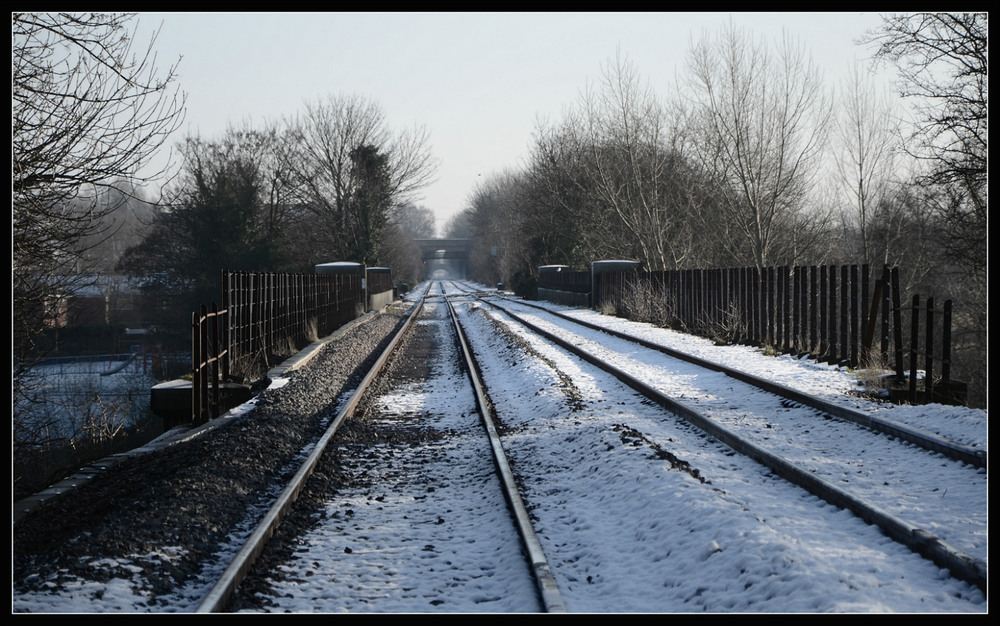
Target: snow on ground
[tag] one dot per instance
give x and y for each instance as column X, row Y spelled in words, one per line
column 709, row 554
column 446, row 546
column 831, row 382
column 627, row 534
column 949, row 501
column 73, row 391
column 626, row 530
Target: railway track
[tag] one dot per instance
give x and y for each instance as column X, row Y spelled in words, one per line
column 589, row 495
column 548, row 589
column 716, row 417
column 549, row 598
column 221, row 592
column 771, row 434
column 925, row 440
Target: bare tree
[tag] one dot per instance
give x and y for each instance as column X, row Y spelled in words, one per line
column 635, row 169
column 627, row 179
column 397, row 248
column 942, row 63
column 86, row 109
column 416, row 221
column 564, row 212
column 230, row 210
column 497, row 215
column 126, row 218
column 763, row 115
column 866, row 157
column 88, row 112
column 398, row 251
column 460, row 226
column 328, row 139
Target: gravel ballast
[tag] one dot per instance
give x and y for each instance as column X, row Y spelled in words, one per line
column 156, row 518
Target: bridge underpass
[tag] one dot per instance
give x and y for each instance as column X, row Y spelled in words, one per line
column 445, row 259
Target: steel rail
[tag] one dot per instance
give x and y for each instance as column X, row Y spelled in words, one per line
column 549, row 590
column 928, row 441
column 221, row 593
column 962, row 565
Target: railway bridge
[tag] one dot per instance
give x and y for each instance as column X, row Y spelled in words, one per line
column 445, row 258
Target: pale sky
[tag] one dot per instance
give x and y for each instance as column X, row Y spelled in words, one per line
column 477, row 82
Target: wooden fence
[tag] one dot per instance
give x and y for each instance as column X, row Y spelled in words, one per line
column 843, row 315
column 934, row 389
column 264, row 316
column 207, row 355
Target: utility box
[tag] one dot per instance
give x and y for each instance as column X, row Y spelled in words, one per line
column 609, row 291
column 350, row 268
column 556, row 283
column 379, row 287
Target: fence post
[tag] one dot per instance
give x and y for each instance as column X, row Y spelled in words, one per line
column 783, row 298
column 203, row 365
column 897, row 318
column 755, row 284
column 281, row 319
column 914, row 338
column 929, row 355
column 844, row 303
column 824, row 313
column 832, row 305
column 865, row 312
column 768, row 278
column 813, row 303
column 713, row 285
column 886, row 305
column 683, row 284
column 699, row 286
column 266, row 287
column 712, row 291
column 872, row 317
column 195, row 370
column 797, row 309
column 946, row 348
column 227, row 324
column 855, row 338
column 215, row 354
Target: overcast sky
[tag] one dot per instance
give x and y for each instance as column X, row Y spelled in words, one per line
column 477, row 82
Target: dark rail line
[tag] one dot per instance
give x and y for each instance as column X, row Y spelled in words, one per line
column 922, row 542
column 221, row 593
column 928, row 441
column 551, row 599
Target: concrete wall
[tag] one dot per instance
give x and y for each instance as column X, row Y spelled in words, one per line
column 378, row 300
column 568, row 298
